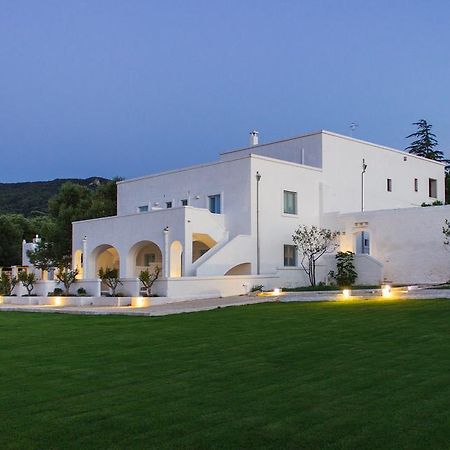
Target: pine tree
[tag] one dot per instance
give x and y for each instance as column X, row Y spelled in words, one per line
column 425, row 142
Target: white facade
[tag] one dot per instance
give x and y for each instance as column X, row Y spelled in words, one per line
column 203, row 221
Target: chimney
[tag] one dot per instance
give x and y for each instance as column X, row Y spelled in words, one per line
column 254, row 138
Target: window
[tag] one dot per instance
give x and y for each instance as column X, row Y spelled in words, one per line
column 416, row 185
column 389, row 185
column 432, row 188
column 290, row 202
column 290, row 256
column 214, row 203
column 149, row 258
column 363, row 243
column 143, row 209
column 184, row 202
column 168, row 204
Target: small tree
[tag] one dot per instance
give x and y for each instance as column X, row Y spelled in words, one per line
column 67, row 277
column 312, row 243
column 28, row 280
column 111, row 278
column 7, row 284
column 425, row 142
column 345, row 274
column 147, row 279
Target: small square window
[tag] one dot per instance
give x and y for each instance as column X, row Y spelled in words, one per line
column 214, row 203
column 389, row 185
column 290, row 202
column 290, row 256
column 416, row 185
column 168, row 204
column 143, row 208
column 184, row 202
column 432, row 188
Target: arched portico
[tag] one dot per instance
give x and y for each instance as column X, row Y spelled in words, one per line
column 104, row 256
column 144, row 255
column 201, row 243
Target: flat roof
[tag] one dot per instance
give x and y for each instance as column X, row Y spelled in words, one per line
column 341, row 136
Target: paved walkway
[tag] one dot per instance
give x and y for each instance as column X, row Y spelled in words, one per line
column 156, row 310
column 214, row 303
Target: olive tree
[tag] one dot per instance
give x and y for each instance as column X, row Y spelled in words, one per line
column 111, row 278
column 147, row 279
column 312, row 243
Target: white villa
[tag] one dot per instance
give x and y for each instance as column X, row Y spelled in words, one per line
column 221, row 227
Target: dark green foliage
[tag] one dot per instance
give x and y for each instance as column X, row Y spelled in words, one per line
column 345, row 274
column 7, row 283
column 336, row 375
column 32, row 198
column 435, row 203
column 425, row 142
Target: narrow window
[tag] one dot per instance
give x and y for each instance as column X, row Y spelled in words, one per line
column 184, row 202
column 416, row 185
column 168, row 204
column 290, row 202
column 432, row 188
column 143, row 209
column 290, row 256
column 214, row 203
column 389, row 185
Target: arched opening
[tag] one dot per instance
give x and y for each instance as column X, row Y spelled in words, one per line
column 201, row 243
column 78, row 264
column 176, row 253
column 143, row 256
column 362, row 243
column 240, row 269
column 106, row 256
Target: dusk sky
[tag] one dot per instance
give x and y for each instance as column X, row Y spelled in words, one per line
column 105, row 88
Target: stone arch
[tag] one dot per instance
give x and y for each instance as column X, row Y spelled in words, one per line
column 78, row 264
column 144, row 255
column 240, row 269
column 176, row 253
column 104, row 256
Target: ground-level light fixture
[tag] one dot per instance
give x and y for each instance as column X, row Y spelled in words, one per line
column 386, row 290
column 277, row 291
column 346, row 293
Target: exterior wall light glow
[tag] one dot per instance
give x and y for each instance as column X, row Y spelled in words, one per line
column 139, row 302
column 277, row 291
column 58, row 301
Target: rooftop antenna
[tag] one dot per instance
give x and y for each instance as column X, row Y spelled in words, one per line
column 353, row 127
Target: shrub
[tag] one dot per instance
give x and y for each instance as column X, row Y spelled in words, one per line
column 256, row 288
column 345, row 274
column 81, row 292
column 7, row 284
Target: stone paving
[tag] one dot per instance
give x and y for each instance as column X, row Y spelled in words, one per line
column 215, row 303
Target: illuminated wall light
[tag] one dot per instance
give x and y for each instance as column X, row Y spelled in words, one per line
column 139, row 302
column 58, row 301
column 277, row 291
column 346, row 293
column 1, row 299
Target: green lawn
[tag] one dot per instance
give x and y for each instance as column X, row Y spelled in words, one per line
column 368, row 374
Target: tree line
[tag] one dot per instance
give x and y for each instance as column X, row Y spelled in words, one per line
column 73, row 202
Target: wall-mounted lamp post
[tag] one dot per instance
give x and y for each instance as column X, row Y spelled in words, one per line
column 258, row 259
column 364, row 167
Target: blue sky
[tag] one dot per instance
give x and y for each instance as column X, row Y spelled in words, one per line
column 132, row 87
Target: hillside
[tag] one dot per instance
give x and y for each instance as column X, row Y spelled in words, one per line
column 32, row 197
